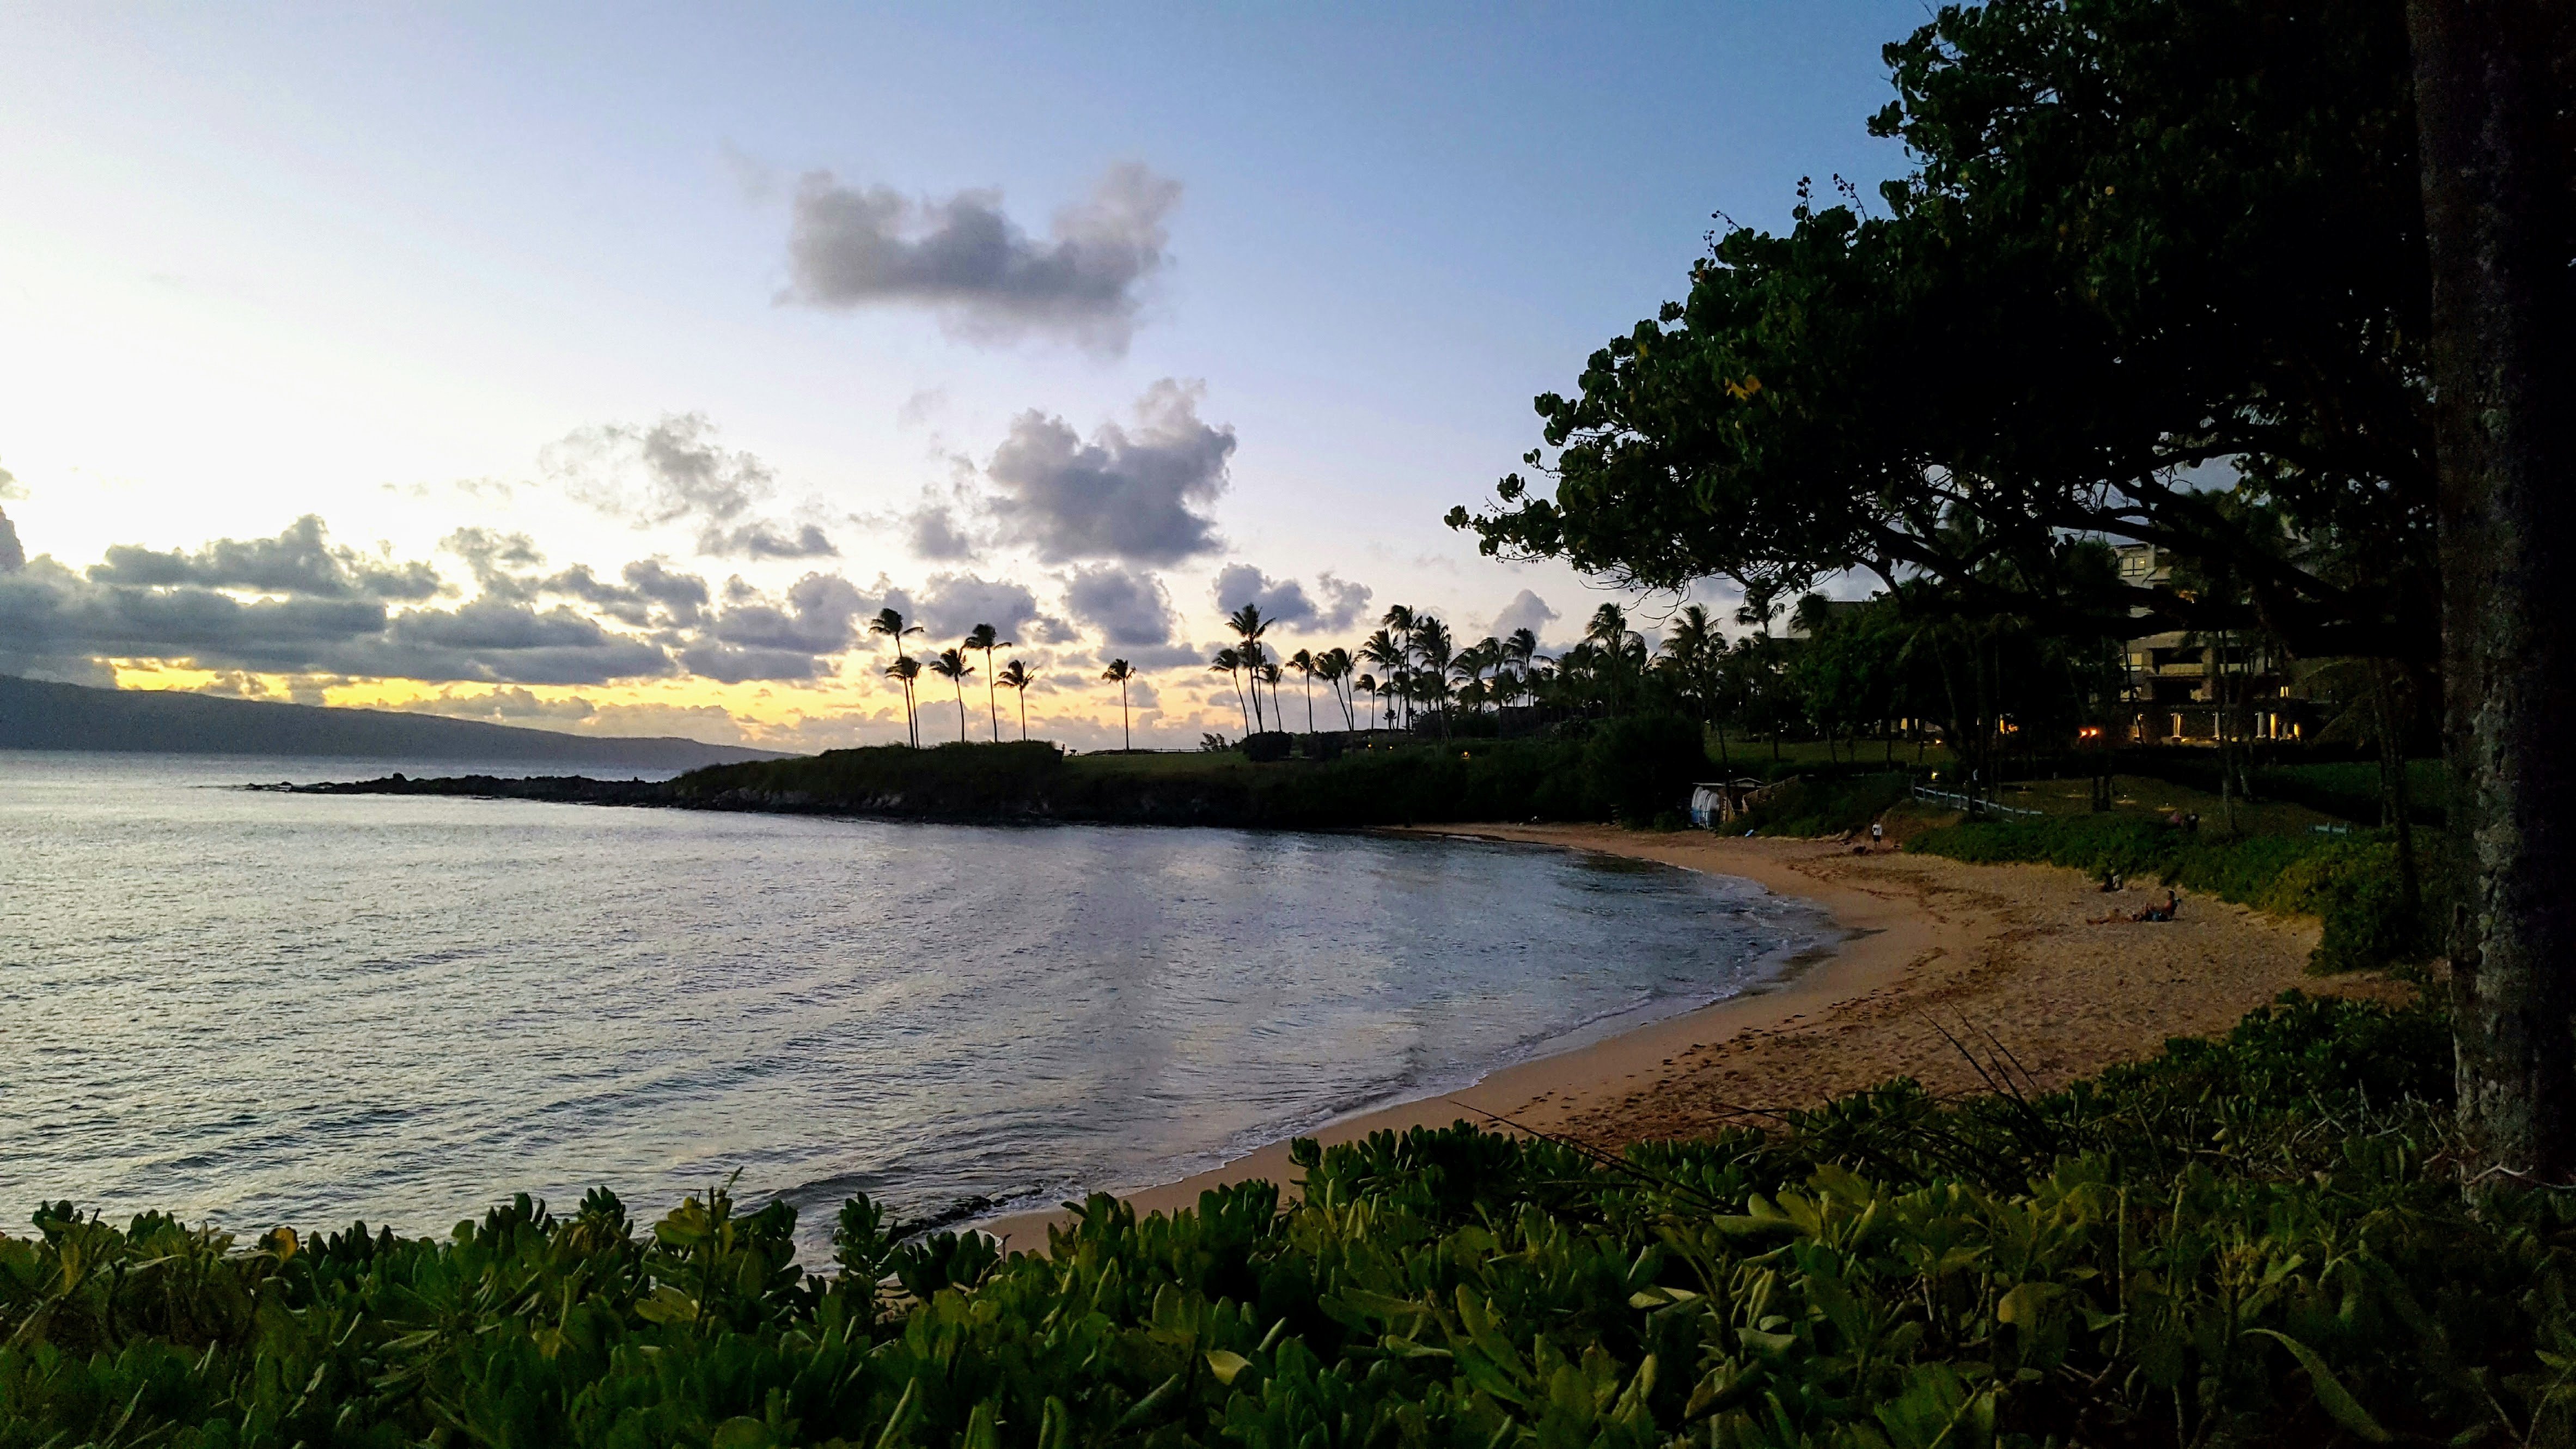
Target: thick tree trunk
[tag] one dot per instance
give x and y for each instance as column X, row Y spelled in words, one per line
column 2491, row 80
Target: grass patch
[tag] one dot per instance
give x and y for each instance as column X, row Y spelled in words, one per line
column 2251, row 1240
column 1826, row 806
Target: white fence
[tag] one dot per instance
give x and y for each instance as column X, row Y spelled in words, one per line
column 1972, row 804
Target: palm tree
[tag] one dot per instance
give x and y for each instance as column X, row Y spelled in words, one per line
column 904, row 670
column 1334, row 667
column 988, row 639
column 1304, row 664
column 1119, row 672
column 1229, row 663
column 1249, row 626
column 951, row 665
column 1367, row 684
column 889, row 624
column 1383, row 650
column 1697, row 650
column 1520, row 651
column 1268, row 673
column 1397, row 627
column 1254, row 658
column 1609, row 629
column 1015, row 675
column 1432, row 645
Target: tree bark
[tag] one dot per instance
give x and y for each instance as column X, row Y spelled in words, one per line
column 2492, row 83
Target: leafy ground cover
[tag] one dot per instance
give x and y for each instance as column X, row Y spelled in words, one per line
column 2350, row 883
column 2252, row 1240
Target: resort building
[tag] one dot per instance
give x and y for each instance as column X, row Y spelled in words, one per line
column 2186, row 688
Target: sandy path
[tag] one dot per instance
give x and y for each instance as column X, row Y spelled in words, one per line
column 2000, row 952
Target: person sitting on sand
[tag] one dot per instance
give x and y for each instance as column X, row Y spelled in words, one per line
column 2148, row 912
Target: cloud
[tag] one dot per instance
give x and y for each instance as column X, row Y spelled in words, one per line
column 986, row 277
column 676, row 472
column 1526, row 611
column 650, row 595
column 1123, row 495
column 759, row 540
column 755, row 637
column 47, row 611
column 512, row 705
column 301, row 560
column 1286, row 603
column 321, row 610
column 933, row 533
column 951, row 604
column 10, row 486
column 1127, row 606
column 12, row 556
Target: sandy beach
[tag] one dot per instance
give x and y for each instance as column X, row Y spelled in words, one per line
column 2006, row 956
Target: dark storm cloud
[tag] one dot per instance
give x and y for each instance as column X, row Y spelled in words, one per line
column 301, row 560
column 1285, row 601
column 1124, row 495
column 677, row 472
column 12, row 556
column 987, row 277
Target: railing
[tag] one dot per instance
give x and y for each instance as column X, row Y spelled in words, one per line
column 1971, row 804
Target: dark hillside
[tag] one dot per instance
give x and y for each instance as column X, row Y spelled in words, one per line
column 35, row 715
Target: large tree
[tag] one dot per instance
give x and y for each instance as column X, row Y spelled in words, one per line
column 2494, row 82
column 2175, row 272
column 2152, row 253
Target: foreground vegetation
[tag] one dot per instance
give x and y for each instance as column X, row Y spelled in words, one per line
column 2257, row 1240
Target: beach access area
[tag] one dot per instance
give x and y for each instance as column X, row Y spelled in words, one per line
column 1947, row 973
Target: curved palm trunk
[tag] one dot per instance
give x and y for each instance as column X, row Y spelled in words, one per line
column 992, row 709
column 961, row 710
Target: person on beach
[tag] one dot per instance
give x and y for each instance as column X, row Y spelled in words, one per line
column 1877, row 835
column 2151, row 911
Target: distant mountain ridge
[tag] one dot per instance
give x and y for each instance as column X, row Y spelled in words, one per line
column 37, row 715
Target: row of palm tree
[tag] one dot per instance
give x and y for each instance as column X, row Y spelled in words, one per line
column 953, row 666
column 1411, row 669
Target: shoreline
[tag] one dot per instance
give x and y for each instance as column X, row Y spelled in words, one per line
column 1933, row 953
column 1880, row 941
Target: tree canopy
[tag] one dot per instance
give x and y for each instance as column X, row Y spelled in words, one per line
column 2157, row 276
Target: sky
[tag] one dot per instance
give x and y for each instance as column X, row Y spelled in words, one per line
column 605, row 369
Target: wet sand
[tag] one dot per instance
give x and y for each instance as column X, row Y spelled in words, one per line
column 2006, row 958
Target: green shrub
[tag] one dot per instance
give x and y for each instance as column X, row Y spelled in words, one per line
column 2254, row 1240
column 1639, row 766
column 1267, row 746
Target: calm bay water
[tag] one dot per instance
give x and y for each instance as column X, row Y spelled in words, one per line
column 263, row 1008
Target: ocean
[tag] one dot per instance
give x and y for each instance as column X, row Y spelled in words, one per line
column 260, row 1008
